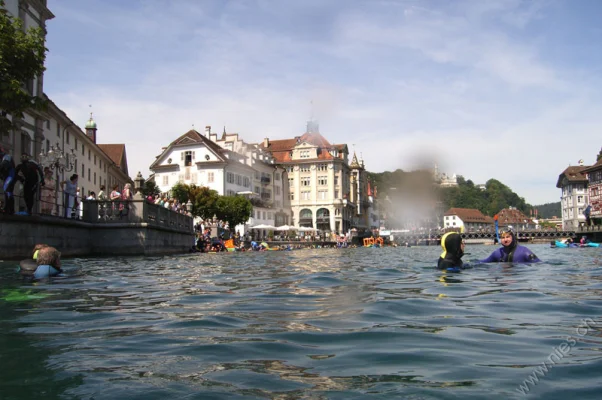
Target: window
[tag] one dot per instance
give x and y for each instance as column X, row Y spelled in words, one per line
column 322, row 167
column 47, row 145
column 89, row 155
column 256, row 189
column 304, row 154
column 306, row 181
column 246, row 182
column 68, row 136
column 291, row 196
column 83, row 170
column 304, row 168
column 25, row 143
column 277, row 176
column 277, row 190
column 579, row 199
column 277, row 204
column 58, row 130
column 230, row 177
column 94, row 159
column 188, row 157
column 210, row 177
column 290, row 182
column 336, row 180
column 322, row 180
column 95, row 178
column 89, row 174
column 187, row 174
column 239, row 180
column 165, row 180
column 305, row 195
column 322, row 194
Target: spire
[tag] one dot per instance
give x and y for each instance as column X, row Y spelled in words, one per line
column 91, row 128
column 354, row 162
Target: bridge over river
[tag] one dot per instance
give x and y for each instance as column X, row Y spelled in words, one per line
column 426, row 238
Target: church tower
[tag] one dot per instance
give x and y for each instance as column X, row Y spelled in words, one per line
column 91, row 129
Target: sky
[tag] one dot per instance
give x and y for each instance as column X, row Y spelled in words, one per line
column 506, row 89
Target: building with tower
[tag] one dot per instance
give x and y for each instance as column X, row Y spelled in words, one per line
column 326, row 192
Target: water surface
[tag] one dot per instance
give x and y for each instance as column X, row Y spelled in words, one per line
column 308, row 324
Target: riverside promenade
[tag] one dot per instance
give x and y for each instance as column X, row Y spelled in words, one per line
column 133, row 227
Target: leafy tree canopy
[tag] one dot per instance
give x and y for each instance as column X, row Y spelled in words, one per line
column 150, row 188
column 234, row 209
column 22, row 56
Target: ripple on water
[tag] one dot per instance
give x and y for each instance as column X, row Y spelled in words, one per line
column 323, row 323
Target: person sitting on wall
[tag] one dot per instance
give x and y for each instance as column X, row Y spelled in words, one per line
column 49, row 263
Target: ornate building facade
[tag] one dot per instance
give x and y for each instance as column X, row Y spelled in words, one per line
column 326, row 192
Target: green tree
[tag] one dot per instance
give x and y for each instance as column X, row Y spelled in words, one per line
column 181, row 192
column 150, row 188
column 234, row 209
column 22, row 56
column 599, row 156
column 204, row 201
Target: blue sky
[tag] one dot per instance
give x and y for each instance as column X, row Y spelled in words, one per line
column 505, row 89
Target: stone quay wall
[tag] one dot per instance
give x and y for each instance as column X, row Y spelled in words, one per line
column 145, row 229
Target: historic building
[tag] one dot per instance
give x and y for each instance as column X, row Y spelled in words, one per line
column 54, row 140
column 467, row 220
column 594, row 178
column 96, row 164
column 513, row 218
column 229, row 166
column 28, row 136
column 574, row 185
column 326, row 192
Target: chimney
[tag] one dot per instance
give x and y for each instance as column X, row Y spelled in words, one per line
column 266, row 143
column 207, row 130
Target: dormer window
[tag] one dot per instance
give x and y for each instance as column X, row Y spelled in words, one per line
column 188, row 157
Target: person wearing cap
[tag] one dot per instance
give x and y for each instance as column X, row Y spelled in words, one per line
column 453, row 250
column 511, row 251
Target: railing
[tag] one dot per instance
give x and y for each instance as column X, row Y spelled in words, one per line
column 136, row 211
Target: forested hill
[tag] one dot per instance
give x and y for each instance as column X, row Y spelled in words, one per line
column 489, row 200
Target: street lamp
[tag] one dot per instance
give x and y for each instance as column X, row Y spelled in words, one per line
column 57, row 159
column 189, row 206
column 60, row 161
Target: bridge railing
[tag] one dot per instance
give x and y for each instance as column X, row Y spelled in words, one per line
column 134, row 211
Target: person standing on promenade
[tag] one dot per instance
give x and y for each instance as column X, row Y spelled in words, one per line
column 48, row 198
column 70, row 189
column 30, row 173
column 8, row 175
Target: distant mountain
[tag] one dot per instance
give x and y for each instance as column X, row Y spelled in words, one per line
column 490, row 199
column 549, row 210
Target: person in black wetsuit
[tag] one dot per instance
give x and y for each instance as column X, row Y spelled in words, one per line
column 31, row 174
column 8, row 175
column 453, row 250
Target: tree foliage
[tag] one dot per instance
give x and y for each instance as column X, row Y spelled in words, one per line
column 234, row 209
column 150, row 188
column 409, row 188
column 204, row 201
column 22, row 56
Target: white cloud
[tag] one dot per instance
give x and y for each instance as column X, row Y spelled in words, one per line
column 467, row 84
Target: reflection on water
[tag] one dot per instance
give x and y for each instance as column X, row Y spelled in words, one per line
column 314, row 324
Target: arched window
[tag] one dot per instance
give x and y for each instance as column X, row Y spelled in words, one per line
column 305, row 218
column 323, row 219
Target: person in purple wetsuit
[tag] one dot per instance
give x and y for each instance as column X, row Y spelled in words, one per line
column 511, row 251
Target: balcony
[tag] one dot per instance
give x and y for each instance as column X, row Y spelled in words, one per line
column 266, row 180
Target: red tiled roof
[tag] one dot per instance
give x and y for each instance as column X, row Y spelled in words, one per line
column 116, row 152
column 281, row 149
column 572, row 174
column 470, row 215
column 513, row 216
column 190, row 137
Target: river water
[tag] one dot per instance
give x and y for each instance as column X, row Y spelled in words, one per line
column 308, row 324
